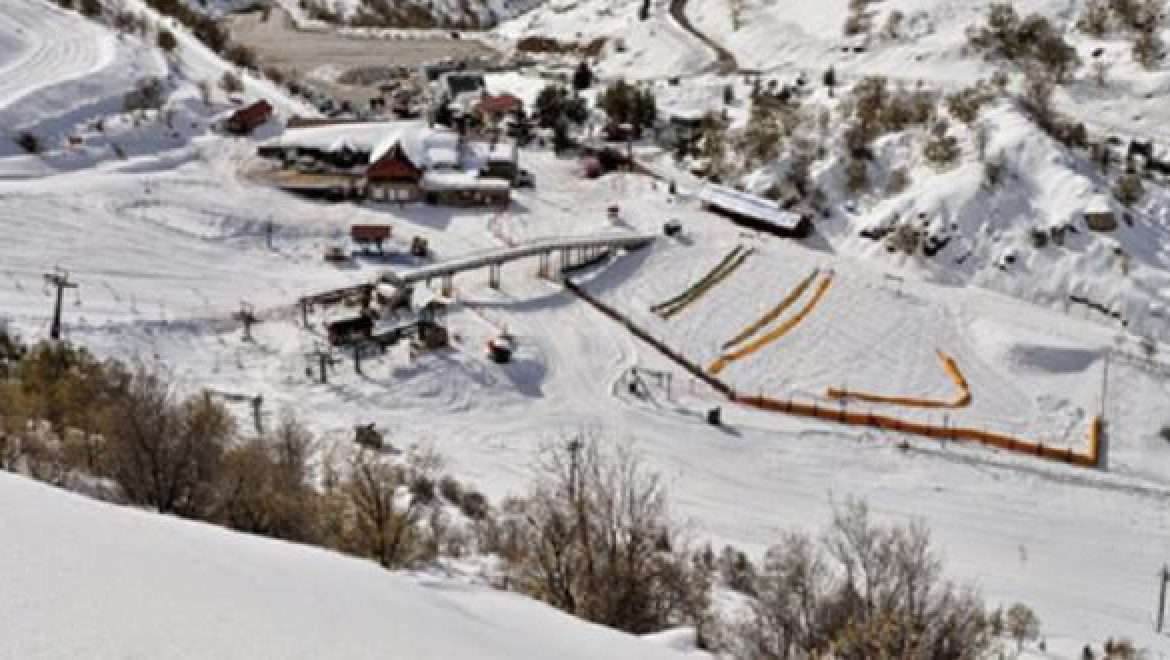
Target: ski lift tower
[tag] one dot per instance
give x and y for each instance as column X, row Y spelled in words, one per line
column 59, row 279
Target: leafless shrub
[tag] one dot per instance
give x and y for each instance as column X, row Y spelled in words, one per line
column 941, row 149
column 204, row 87
column 387, row 502
column 856, row 176
column 230, row 83
column 241, row 56
column 966, row 103
column 29, row 142
column 166, row 41
column 597, row 542
column 897, row 181
column 167, row 455
column 1022, row 624
column 148, row 94
column 905, row 238
column 1129, row 189
column 1148, row 48
column 1009, row 37
column 864, row 591
column 266, row 485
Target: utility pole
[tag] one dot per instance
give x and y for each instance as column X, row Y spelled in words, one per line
column 324, row 361
column 357, row 357
column 1165, row 575
column 247, row 316
column 59, row 278
column 257, row 413
column 1105, row 382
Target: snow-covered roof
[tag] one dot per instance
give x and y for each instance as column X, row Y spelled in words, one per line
column 1098, row 204
column 420, row 142
column 500, row 151
column 753, row 206
column 435, row 180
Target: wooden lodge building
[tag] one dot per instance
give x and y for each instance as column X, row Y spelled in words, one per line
column 405, row 161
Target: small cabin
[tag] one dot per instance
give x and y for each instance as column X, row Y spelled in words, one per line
column 248, row 118
column 1099, row 214
column 493, row 109
column 369, row 238
column 348, row 330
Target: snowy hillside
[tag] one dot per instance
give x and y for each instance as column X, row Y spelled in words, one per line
column 408, row 13
column 82, row 578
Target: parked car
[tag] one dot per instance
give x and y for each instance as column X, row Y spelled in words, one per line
column 524, row 179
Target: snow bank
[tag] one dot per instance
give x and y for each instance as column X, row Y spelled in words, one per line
column 87, row 579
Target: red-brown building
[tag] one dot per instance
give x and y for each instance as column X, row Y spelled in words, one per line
column 394, row 178
column 244, row 120
column 492, row 109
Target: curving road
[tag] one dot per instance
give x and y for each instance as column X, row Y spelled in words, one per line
column 725, row 61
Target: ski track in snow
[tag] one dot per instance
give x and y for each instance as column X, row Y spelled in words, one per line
column 50, row 45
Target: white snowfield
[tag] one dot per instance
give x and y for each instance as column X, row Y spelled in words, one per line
column 166, row 243
column 84, row 579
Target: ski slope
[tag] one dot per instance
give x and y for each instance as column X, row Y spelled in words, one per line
column 87, row 579
column 40, row 47
column 1032, row 371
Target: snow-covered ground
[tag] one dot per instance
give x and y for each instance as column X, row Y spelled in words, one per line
column 654, row 48
column 165, row 249
column 87, row 579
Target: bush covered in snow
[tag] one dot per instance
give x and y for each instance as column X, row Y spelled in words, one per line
column 1023, row 40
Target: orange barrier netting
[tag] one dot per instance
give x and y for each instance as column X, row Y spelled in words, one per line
column 1088, row 459
column 784, row 328
column 949, row 365
column 705, row 285
column 775, row 312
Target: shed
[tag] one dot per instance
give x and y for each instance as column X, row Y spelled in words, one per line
column 458, row 188
column 754, row 212
column 1099, row 213
column 370, row 236
column 494, row 108
column 244, row 120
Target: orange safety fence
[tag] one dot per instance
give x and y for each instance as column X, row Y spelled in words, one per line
column 949, row 365
column 775, row 312
column 885, row 422
column 1090, row 458
column 784, row 328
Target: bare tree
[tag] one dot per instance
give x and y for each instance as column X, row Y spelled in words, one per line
column 388, row 501
column 1022, row 624
column 866, row 590
column 599, row 544
column 167, row 455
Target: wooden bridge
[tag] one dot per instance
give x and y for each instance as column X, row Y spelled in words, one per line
column 570, row 250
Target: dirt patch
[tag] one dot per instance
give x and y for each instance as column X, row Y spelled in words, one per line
column 280, row 44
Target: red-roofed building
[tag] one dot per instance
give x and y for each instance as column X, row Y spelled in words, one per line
column 244, row 120
column 495, row 108
column 394, row 178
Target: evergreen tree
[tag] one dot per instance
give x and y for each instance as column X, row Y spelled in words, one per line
column 582, row 77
